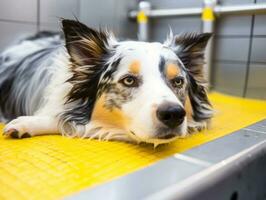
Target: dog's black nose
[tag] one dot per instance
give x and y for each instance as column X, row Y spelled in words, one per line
column 171, row 114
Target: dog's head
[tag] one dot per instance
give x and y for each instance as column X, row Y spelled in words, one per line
column 149, row 92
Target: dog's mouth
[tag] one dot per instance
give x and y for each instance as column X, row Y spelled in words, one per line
column 156, row 140
column 168, row 136
column 163, row 132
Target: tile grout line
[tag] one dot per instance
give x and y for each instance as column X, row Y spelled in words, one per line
column 17, row 21
column 249, row 55
column 38, row 15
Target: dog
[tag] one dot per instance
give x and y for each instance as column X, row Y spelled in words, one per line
column 88, row 84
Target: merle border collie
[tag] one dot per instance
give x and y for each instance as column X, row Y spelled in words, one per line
column 88, row 84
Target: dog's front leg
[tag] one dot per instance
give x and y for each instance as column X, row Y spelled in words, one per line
column 27, row 126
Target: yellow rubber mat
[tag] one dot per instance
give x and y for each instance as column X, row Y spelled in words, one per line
column 51, row 167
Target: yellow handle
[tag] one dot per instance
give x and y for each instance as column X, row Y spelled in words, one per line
column 207, row 14
column 142, row 17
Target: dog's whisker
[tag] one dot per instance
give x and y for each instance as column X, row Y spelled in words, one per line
column 101, row 135
column 92, row 133
column 118, row 136
column 110, row 135
column 93, row 136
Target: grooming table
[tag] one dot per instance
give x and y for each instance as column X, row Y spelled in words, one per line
column 52, row 167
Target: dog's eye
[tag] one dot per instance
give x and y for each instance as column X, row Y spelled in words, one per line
column 129, row 81
column 178, row 82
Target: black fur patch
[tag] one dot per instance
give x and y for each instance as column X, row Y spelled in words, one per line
column 162, row 65
column 199, row 101
column 107, row 78
column 83, row 104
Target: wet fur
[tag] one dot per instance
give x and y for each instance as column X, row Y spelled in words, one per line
column 60, row 84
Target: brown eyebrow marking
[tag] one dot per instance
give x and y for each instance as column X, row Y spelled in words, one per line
column 134, row 67
column 172, row 70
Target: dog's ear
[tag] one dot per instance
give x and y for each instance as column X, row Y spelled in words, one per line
column 190, row 50
column 85, row 45
column 89, row 51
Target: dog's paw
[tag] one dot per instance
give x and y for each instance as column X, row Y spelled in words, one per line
column 17, row 128
column 15, row 133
